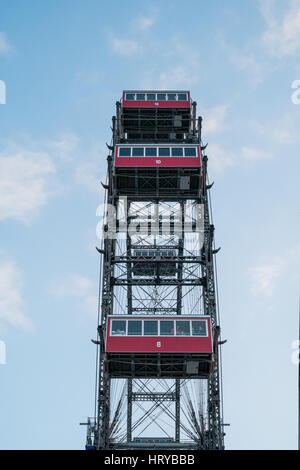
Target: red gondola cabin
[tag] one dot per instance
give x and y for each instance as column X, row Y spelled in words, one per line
column 164, row 346
column 158, row 146
column 156, row 99
column 156, row 156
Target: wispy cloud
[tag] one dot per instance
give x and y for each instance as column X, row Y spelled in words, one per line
column 125, row 47
column 144, row 22
column 219, row 159
column 214, row 119
column 11, row 302
column 5, row 46
column 137, row 41
column 174, row 77
column 264, row 278
column 65, row 146
column 250, row 153
column 31, row 172
column 248, row 62
column 245, row 58
column 281, row 267
column 76, row 285
column 184, row 74
column 23, row 182
column 282, row 36
column 89, row 174
column 281, row 131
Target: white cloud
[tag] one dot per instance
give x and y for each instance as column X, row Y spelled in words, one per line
column 245, row 61
column 87, row 174
column 282, row 36
column 145, row 22
column 11, row 297
column 78, row 286
column 219, row 159
column 125, row 47
column 173, row 51
column 5, row 47
column 27, row 170
column 264, row 278
column 65, row 146
column 74, row 285
column 179, row 76
column 23, row 181
column 248, row 63
column 214, row 119
column 283, row 131
column 254, row 154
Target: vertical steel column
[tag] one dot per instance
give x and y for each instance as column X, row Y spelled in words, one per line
column 177, row 410
column 180, row 256
column 179, row 309
column 215, row 435
column 194, row 106
column 106, row 309
column 129, row 410
column 129, row 312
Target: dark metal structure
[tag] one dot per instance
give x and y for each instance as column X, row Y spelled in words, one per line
column 157, row 258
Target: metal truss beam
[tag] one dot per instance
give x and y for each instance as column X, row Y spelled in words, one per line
column 159, row 282
column 153, row 396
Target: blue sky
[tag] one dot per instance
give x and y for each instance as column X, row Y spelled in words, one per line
column 65, row 64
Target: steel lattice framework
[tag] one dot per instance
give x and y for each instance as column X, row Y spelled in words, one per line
column 137, row 409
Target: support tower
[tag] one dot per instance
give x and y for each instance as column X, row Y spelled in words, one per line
column 158, row 359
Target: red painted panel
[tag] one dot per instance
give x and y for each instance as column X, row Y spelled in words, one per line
column 154, row 162
column 155, row 104
column 158, row 162
column 151, row 344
